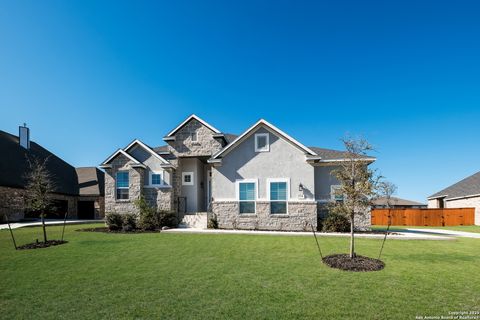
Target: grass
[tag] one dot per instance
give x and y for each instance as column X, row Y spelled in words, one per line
column 187, row 276
column 475, row 229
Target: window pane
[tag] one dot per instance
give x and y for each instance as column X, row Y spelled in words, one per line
column 122, row 194
column 278, row 207
column 247, row 191
column 187, row 178
column 261, row 142
column 122, row 179
column 156, row 178
column 278, row 191
column 247, row 207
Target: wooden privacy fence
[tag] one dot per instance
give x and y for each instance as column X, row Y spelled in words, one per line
column 424, row 217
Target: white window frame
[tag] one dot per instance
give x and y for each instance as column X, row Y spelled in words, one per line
column 267, row 145
column 237, row 194
column 192, row 181
column 332, row 192
column 116, row 187
column 162, row 178
column 287, row 180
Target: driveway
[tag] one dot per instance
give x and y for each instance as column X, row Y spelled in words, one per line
column 16, row 225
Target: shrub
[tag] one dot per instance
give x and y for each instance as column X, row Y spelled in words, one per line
column 212, row 222
column 167, row 219
column 129, row 222
column 148, row 218
column 336, row 223
column 114, row 221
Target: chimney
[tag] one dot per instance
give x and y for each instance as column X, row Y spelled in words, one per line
column 24, row 136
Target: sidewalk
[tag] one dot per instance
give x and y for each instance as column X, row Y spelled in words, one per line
column 16, row 225
column 451, row 233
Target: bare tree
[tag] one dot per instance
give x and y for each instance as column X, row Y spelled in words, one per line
column 386, row 189
column 38, row 189
column 357, row 183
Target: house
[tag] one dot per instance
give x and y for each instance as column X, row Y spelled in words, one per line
column 78, row 191
column 261, row 179
column 397, row 203
column 463, row 194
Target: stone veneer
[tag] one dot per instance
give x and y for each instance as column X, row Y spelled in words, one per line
column 136, row 181
column 12, row 203
column 160, row 198
column 183, row 146
column 301, row 215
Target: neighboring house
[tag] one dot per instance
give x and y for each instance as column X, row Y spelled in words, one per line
column 397, row 203
column 78, row 191
column 261, row 179
column 463, row 194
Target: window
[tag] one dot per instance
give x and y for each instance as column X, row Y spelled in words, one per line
column 262, row 142
column 187, row 178
column 246, row 196
column 156, row 178
column 336, row 193
column 193, row 136
column 278, row 193
column 122, row 185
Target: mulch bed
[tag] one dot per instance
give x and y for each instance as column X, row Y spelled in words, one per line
column 357, row 264
column 38, row 245
column 106, row 230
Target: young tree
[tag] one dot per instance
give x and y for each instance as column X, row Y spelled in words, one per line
column 38, row 189
column 357, row 183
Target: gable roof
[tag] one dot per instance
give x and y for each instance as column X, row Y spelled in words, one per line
column 467, row 187
column 250, row 130
column 382, row 201
column 14, row 165
column 116, row 153
column 193, row 116
column 91, row 181
column 147, row 148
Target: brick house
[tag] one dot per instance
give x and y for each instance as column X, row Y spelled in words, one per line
column 78, row 191
column 260, row 179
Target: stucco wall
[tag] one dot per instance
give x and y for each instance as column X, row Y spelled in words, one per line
column 472, row 202
column 194, row 193
column 324, row 179
column 282, row 161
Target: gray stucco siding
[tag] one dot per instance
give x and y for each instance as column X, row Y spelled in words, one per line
column 324, row 180
column 153, row 164
column 282, row 161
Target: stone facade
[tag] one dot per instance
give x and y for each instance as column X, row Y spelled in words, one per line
column 299, row 218
column 12, row 203
column 183, row 146
column 160, row 198
column 136, row 182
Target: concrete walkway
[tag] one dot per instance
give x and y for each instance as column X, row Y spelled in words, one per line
column 441, row 232
column 16, row 225
column 399, row 236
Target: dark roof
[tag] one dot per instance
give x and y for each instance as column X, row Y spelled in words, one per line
column 230, row 137
column 14, row 165
column 466, row 187
column 394, row 201
column 161, row 149
column 91, row 181
column 328, row 154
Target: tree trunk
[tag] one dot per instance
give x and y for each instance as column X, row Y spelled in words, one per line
column 352, row 236
column 44, row 229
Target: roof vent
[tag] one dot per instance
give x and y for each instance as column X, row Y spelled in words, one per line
column 24, row 136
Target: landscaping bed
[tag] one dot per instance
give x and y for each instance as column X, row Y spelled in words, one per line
column 357, row 263
column 39, row 245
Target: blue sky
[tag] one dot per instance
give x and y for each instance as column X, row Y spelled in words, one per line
column 90, row 76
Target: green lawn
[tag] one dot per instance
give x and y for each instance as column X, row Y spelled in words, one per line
column 456, row 228
column 188, row 276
